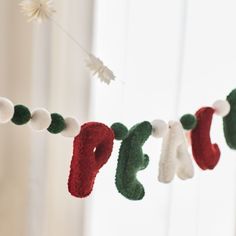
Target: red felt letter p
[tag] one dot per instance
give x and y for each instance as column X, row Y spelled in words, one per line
column 92, row 149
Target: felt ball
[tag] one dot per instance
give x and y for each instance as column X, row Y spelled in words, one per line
column 6, row 110
column 57, row 124
column 21, row 115
column 188, row 121
column 40, row 119
column 221, row 107
column 159, row 128
column 120, row 131
column 72, row 128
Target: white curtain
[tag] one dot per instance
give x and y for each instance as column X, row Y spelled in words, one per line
column 41, row 67
column 170, row 58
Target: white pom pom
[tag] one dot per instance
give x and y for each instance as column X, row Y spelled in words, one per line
column 222, row 107
column 159, row 128
column 6, row 110
column 40, row 119
column 72, row 127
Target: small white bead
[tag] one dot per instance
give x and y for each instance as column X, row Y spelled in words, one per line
column 40, row 119
column 222, row 107
column 72, row 127
column 159, row 128
column 6, row 110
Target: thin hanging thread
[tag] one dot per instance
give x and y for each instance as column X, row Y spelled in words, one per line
column 125, row 69
column 72, row 38
column 182, row 45
column 179, row 80
column 69, row 36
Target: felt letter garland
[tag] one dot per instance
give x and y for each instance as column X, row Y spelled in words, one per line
column 93, row 144
column 92, row 149
column 205, row 154
column 131, row 160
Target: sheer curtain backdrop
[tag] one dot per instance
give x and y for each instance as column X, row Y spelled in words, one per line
column 41, row 67
column 170, row 58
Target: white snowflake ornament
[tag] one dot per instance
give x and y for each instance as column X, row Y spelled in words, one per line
column 38, row 10
column 97, row 67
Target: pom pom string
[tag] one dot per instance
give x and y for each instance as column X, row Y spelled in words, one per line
column 175, row 158
column 39, row 120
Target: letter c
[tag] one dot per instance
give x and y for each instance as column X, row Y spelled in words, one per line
column 205, row 153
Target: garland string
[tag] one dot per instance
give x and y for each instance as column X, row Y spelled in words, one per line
column 93, row 141
column 93, row 144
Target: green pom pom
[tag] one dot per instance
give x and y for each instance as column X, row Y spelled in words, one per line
column 120, row 131
column 21, row 115
column 57, row 124
column 188, row 121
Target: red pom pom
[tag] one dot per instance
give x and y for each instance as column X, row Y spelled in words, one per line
column 92, row 149
column 205, row 153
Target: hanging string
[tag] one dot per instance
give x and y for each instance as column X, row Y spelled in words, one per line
column 179, row 81
column 182, row 46
column 95, row 65
column 69, row 35
column 40, row 10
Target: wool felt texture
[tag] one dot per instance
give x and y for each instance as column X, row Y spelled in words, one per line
column 188, row 121
column 221, row 107
column 175, row 158
column 40, row 119
column 131, row 160
column 205, row 153
column 159, row 128
column 92, row 149
column 6, row 110
column 57, row 124
column 21, row 115
column 72, row 128
column 119, row 130
column 229, row 121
